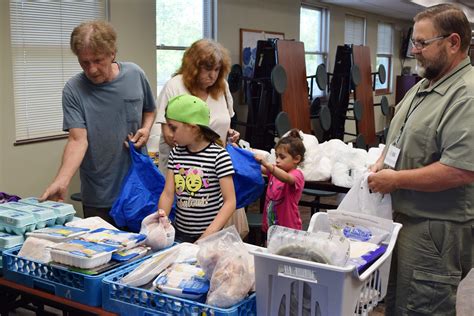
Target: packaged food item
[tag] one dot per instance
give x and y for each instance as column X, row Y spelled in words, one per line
column 43, row 216
column 183, row 280
column 64, row 211
column 360, row 227
column 159, row 231
column 129, row 254
column 16, row 222
column 113, row 237
column 81, row 253
column 151, row 267
column 58, row 233
column 10, row 240
column 92, row 223
column 36, row 249
column 231, row 281
column 319, row 246
column 363, row 261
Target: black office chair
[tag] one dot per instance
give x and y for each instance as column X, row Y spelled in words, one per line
column 283, row 125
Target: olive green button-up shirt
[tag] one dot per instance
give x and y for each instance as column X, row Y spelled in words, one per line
column 436, row 124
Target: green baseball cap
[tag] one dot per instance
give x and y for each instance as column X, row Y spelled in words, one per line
column 189, row 109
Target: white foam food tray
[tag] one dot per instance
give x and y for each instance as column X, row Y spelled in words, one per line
column 81, row 254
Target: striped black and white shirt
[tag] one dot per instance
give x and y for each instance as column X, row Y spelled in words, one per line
column 197, row 188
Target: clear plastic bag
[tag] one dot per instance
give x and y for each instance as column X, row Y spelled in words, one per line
column 215, row 246
column 230, row 282
column 159, row 231
column 322, row 247
column 360, row 227
column 228, row 265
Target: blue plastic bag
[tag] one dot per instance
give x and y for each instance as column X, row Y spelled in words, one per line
column 140, row 192
column 248, row 180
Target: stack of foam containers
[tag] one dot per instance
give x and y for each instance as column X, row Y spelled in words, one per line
column 27, row 215
column 64, row 212
column 13, row 225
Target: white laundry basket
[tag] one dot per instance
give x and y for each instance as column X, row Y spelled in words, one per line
column 288, row 286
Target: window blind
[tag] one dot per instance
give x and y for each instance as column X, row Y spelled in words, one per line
column 42, row 61
column 354, row 30
column 384, row 38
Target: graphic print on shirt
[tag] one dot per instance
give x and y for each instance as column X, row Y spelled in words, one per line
column 275, row 198
column 191, row 181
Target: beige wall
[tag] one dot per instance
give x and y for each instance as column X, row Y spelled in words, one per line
column 27, row 169
column 283, row 16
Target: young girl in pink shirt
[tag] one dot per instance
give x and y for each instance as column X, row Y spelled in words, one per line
column 285, row 183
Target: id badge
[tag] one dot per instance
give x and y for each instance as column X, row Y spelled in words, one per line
column 392, row 156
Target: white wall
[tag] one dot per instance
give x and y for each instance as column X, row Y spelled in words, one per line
column 27, row 169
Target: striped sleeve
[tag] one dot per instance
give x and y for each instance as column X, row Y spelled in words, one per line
column 171, row 158
column 224, row 166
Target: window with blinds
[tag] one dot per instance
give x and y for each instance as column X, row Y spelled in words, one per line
column 384, row 55
column 42, row 61
column 354, row 30
column 179, row 23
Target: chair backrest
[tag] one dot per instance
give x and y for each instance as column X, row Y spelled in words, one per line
column 282, row 123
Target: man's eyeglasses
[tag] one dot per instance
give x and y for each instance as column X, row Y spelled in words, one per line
column 422, row 44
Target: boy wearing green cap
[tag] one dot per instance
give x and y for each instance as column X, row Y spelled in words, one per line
column 199, row 172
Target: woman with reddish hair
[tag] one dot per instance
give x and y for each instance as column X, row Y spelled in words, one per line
column 203, row 72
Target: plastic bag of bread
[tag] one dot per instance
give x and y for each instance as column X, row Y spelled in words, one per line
column 230, row 282
column 159, row 231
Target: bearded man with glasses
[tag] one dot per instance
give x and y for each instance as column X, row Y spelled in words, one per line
column 428, row 168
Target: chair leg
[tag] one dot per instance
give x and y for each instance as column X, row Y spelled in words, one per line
column 315, row 206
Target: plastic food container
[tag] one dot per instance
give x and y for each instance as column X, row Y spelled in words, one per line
column 183, row 280
column 44, row 216
column 9, row 241
column 58, row 233
column 16, row 222
column 129, row 254
column 112, row 237
column 64, row 211
column 82, row 254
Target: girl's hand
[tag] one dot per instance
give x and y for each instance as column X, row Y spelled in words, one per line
column 259, row 158
column 161, row 213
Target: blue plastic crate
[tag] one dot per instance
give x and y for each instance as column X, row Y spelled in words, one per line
column 129, row 300
column 82, row 288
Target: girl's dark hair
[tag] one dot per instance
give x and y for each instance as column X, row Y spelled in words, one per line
column 294, row 143
column 211, row 136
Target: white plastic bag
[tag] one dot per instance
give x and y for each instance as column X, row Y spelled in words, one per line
column 359, row 199
column 465, row 295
